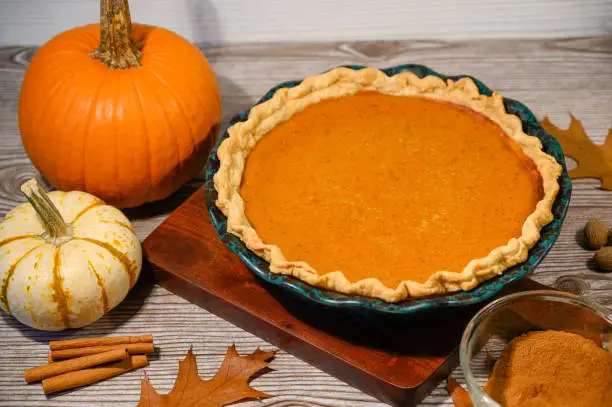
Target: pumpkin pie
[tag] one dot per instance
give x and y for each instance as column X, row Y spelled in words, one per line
column 389, row 187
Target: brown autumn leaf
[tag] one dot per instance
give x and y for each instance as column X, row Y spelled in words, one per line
column 594, row 160
column 461, row 397
column 229, row 385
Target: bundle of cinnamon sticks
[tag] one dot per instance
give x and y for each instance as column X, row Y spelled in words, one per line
column 81, row 362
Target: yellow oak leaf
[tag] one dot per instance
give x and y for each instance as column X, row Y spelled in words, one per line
column 594, row 160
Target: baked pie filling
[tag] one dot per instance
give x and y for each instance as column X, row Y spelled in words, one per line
column 391, row 187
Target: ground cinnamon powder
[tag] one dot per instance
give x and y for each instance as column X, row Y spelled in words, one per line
column 552, row 368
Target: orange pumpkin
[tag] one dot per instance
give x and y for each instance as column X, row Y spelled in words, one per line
column 126, row 113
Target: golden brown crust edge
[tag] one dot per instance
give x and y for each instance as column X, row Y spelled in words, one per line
column 243, row 137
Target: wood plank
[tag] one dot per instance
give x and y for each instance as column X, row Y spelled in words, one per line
column 240, row 21
column 551, row 77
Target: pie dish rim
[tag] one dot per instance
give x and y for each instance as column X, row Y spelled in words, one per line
column 475, row 88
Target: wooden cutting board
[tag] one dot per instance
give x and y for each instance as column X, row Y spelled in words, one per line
column 396, row 359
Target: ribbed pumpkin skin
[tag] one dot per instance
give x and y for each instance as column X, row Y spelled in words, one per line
column 127, row 136
column 72, row 284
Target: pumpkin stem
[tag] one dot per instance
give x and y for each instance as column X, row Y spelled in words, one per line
column 117, row 49
column 55, row 226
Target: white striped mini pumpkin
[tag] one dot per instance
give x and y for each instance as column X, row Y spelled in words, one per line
column 66, row 258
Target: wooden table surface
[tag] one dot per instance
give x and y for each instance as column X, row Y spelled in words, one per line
column 551, row 77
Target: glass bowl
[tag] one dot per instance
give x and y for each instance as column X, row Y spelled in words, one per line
column 334, row 300
column 511, row 316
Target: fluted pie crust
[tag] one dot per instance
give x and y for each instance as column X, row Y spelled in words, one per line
column 341, row 82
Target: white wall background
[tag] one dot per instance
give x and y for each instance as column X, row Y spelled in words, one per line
column 245, row 21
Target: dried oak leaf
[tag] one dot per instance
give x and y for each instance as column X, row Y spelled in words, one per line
column 461, row 397
column 229, row 385
column 594, row 161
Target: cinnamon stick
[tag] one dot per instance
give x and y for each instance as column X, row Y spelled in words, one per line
column 93, row 375
column 105, row 341
column 35, row 374
column 132, row 348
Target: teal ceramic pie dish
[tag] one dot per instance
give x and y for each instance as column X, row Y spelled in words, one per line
column 484, row 291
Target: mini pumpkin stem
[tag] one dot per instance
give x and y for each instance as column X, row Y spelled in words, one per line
column 48, row 213
column 117, row 49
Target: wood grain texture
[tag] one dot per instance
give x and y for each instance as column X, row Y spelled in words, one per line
column 246, row 21
column 551, row 77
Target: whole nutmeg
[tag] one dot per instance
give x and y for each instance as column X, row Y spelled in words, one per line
column 595, row 234
column 603, row 258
